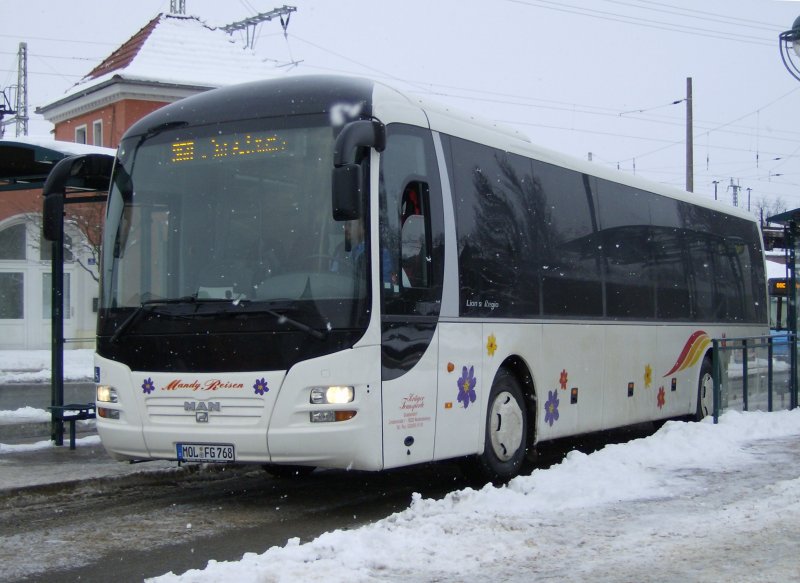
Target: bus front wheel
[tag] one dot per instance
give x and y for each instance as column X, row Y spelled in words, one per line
column 504, row 450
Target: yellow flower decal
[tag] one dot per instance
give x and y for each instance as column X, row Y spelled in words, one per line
column 491, row 345
column 648, row 376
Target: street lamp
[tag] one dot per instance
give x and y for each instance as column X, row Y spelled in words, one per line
column 790, row 43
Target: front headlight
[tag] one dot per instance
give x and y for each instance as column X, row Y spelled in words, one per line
column 336, row 395
column 107, row 394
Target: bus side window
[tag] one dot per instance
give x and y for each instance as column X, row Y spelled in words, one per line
column 415, row 237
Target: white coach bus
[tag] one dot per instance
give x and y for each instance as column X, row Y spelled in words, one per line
column 325, row 272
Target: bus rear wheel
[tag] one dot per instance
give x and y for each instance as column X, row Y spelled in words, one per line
column 505, row 447
column 705, row 391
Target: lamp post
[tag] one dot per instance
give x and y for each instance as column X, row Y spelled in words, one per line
column 790, row 43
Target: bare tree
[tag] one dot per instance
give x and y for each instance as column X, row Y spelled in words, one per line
column 765, row 208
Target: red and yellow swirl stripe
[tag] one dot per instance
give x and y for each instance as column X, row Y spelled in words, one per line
column 693, row 350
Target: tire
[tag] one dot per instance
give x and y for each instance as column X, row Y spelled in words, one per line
column 705, row 391
column 505, row 450
column 288, row 472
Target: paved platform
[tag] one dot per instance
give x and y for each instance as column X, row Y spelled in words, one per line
column 29, row 459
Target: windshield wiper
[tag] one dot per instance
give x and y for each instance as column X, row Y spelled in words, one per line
column 281, row 318
column 297, row 325
column 237, row 307
column 145, row 306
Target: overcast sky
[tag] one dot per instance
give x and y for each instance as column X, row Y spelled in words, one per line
column 577, row 76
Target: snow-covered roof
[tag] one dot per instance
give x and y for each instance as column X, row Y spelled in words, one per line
column 173, row 50
column 25, row 163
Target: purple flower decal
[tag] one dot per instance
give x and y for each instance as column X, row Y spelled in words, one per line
column 466, row 386
column 551, row 408
column 261, row 386
column 148, row 386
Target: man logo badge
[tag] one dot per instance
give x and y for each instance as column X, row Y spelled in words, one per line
column 201, row 409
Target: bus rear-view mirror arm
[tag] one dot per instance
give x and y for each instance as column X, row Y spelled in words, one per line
column 87, row 171
column 348, row 176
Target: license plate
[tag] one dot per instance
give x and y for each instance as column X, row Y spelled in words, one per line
column 205, row 452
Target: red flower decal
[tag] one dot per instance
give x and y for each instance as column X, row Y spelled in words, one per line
column 563, row 379
column 661, row 397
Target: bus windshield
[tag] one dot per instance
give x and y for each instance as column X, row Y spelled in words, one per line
column 239, row 211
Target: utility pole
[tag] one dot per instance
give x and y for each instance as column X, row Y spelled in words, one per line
column 715, row 188
column 22, row 90
column 749, row 190
column 734, row 188
column 689, row 138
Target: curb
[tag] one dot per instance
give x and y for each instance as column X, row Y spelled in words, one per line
column 11, row 432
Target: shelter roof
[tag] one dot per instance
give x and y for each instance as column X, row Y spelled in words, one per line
column 26, row 162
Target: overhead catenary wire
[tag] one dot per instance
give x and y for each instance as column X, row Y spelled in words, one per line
column 696, row 14
column 645, row 22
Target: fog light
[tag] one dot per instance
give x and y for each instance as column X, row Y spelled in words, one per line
column 107, row 413
column 322, row 416
column 107, row 394
column 330, row 416
column 336, row 395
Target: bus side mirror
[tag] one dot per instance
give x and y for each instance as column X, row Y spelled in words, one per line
column 348, row 182
column 348, row 185
column 87, row 172
column 53, row 216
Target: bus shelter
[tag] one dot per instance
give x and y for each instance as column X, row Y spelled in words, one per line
column 790, row 220
column 32, row 165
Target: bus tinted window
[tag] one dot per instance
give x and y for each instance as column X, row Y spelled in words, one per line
column 559, row 243
column 627, row 243
column 500, row 223
column 571, row 259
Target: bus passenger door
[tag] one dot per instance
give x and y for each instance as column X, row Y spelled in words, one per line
column 410, row 273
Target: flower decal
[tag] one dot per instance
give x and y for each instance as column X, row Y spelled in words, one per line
column 661, row 399
column 466, row 386
column 148, row 386
column 551, row 408
column 491, row 345
column 260, row 386
column 648, row 376
column 563, row 380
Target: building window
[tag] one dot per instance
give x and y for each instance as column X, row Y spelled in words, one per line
column 46, row 249
column 97, row 132
column 12, row 296
column 47, row 296
column 80, row 134
column 12, row 242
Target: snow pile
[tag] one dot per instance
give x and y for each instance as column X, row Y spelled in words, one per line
column 34, row 366
column 491, row 532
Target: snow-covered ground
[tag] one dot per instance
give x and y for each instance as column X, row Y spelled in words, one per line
column 33, row 366
column 693, row 502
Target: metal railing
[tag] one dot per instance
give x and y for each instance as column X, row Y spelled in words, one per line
column 757, row 373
